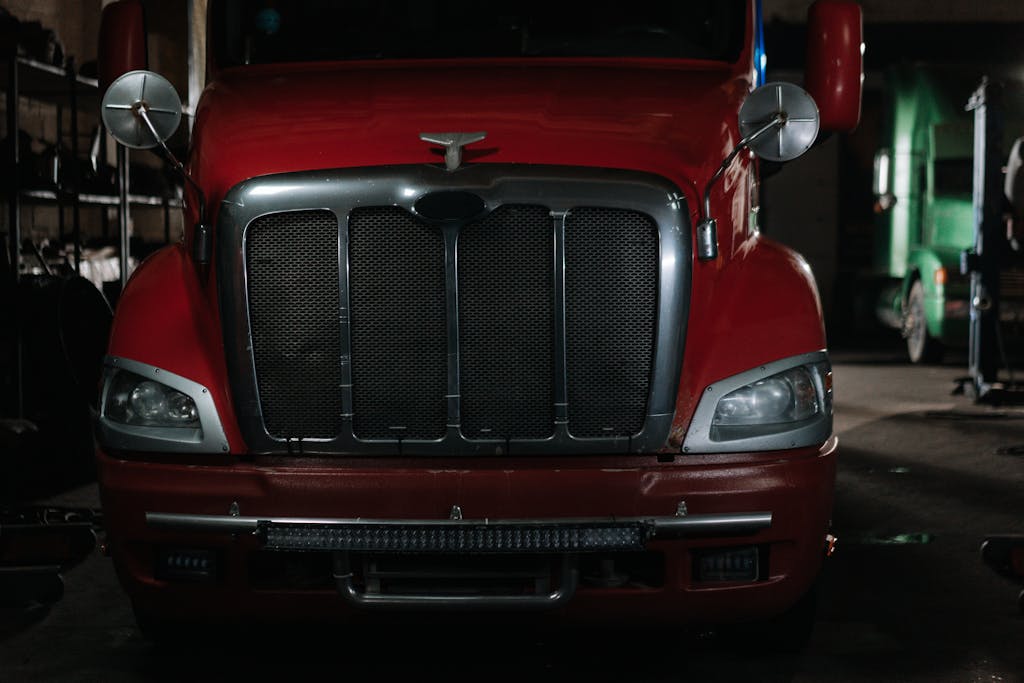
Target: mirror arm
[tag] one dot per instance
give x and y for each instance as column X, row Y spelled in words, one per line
column 777, row 120
column 707, row 229
column 201, row 240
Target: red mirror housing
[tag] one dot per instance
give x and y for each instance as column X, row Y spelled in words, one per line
column 835, row 62
column 122, row 46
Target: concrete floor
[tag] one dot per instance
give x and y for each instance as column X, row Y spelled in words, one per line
column 916, row 464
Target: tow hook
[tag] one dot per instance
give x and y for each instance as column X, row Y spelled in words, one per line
column 830, row 544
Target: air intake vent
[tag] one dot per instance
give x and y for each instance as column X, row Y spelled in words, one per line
column 506, row 303
column 611, row 267
column 500, row 310
column 399, row 329
column 292, row 262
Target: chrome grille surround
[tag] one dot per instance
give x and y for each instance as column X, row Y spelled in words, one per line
column 560, row 189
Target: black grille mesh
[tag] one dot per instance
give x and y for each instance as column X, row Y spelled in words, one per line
column 292, row 262
column 399, row 323
column 506, row 302
column 611, row 297
column 399, row 343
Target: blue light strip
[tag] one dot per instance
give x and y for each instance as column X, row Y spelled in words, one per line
column 760, row 58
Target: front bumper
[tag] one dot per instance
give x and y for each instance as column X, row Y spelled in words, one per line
column 344, row 509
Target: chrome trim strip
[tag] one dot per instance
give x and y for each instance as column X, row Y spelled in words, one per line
column 674, row 527
column 209, row 438
column 569, row 582
column 558, row 188
column 344, row 319
column 561, row 337
column 450, row 232
column 698, row 436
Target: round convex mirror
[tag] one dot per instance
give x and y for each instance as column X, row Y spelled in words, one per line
column 135, row 90
column 798, row 129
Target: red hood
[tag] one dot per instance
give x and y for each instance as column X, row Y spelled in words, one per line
column 674, row 119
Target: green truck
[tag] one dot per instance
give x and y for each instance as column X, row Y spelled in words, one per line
column 923, row 175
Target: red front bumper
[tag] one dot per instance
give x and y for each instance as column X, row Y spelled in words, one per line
column 795, row 486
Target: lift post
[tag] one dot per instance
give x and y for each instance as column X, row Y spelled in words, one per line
column 984, row 262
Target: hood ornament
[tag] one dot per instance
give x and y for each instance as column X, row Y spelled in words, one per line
column 453, row 144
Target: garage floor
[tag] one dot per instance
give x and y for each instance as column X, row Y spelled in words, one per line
column 923, row 477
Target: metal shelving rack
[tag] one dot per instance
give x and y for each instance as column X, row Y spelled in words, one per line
column 69, row 92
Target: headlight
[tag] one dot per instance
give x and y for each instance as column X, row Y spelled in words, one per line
column 779, row 403
column 785, row 404
column 789, row 396
column 134, row 400
column 146, row 409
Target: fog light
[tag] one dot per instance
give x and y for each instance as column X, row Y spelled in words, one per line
column 186, row 564
column 727, row 564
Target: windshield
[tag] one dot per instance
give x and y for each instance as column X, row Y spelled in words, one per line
column 269, row 31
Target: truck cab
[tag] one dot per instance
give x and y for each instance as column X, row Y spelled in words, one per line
column 923, row 184
column 471, row 313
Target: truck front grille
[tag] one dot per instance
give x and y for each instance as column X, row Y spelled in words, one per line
column 399, row 339
column 294, row 302
column 611, row 289
column 506, row 323
column 534, row 327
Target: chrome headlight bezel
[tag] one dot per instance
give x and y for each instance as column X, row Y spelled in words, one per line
column 204, row 435
column 702, row 436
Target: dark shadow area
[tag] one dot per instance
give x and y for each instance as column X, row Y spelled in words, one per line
column 14, row 620
column 907, row 593
column 468, row 651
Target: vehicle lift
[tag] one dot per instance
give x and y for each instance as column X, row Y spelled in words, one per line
column 993, row 251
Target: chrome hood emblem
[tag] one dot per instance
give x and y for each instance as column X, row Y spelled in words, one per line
column 453, row 144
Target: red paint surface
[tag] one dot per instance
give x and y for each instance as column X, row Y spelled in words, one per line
column 164, row 319
column 794, row 486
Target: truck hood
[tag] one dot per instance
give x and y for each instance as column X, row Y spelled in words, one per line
column 677, row 119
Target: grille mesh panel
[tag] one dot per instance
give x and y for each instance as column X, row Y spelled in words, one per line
column 399, row 344
column 292, row 262
column 611, row 298
column 506, row 301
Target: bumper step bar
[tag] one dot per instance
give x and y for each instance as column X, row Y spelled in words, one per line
column 554, row 535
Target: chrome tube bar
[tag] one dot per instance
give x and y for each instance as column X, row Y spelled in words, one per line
column 776, row 120
column 343, row 578
column 661, row 527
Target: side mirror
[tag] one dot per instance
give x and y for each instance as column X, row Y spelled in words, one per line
column 881, row 183
column 835, row 62
column 141, row 109
column 1014, row 185
column 880, row 174
column 778, row 122
column 122, row 41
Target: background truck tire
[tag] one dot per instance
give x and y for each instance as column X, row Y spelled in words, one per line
column 922, row 347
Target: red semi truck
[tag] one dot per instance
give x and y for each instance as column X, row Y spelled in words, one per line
column 472, row 311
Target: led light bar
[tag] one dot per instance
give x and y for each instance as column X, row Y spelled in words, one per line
column 460, row 538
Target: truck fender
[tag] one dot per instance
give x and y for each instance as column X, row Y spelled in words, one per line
column 165, row 319
column 761, row 307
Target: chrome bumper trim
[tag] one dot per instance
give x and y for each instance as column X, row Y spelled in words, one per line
column 568, row 582
column 657, row 528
